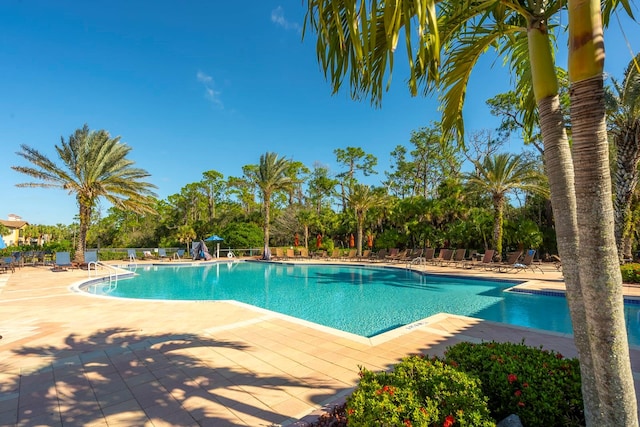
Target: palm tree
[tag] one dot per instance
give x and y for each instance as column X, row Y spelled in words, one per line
column 358, row 42
column 269, row 176
column 361, row 198
column 498, row 175
column 623, row 111
column 94, row 165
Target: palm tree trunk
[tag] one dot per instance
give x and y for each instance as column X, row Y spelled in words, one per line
column 360, row 220
column 498, row 208
column 81, row 243
column 598, row 258
column 266, row 254
column 559, row 166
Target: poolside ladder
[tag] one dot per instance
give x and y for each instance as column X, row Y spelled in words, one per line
column 113, row 272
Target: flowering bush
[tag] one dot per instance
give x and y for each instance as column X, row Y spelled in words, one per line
column 630, row 273
column 541, row 386
column 418, row 392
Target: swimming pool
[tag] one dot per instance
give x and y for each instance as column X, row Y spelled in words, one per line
column 365, row 301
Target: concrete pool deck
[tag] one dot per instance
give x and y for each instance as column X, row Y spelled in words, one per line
column 68, row 359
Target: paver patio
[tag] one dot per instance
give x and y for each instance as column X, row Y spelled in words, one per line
column 68, row 359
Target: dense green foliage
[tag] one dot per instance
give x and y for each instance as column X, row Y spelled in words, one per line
column 473, row 385
column 425, row 201
column 630, row 273
column 541, row 387
column 418, row 392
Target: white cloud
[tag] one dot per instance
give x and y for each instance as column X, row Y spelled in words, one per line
column 277, row 17
column 210, row 93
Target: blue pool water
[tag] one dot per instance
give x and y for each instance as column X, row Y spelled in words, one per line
column 362, row 300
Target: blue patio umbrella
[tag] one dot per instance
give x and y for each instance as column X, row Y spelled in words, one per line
column 217, row 239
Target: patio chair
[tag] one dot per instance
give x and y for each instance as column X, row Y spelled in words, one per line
column 444, row 257
column 7, row 264
column 486, row 262
column 131, row 255
column 510, row 264
column 399, row 256
column 179, row 254
column 162, row 254
column 289, row 254
column 90, row 258
column 527, row 262
column 63, row 262
column 458, row 258
column 381, row 255
column 303, row 253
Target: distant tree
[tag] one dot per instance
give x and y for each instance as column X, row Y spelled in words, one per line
column 321, row 187
column 355, row 159
column 361, row 198
column 94, row 165
column 498, row 175
column 623, row 105
column 270, row 176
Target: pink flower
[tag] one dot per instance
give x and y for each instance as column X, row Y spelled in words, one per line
column 521, row 404
column 512, row 378
column 407, row 423
column 518, row 393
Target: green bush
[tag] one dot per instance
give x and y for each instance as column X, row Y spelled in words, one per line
column 630, row 273
column 419, row 392
column 542, row 387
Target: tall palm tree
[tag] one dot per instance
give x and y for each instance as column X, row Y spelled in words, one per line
column 270, row 176
column 361, row 198
column 358, row 41
column 94, row 165
column 498, row 175
column 623, row 111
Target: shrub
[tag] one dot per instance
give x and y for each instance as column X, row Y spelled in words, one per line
column 630, row 273
column 540, row 386
column 419, row 392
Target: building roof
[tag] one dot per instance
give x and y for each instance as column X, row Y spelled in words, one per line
column 13, row 224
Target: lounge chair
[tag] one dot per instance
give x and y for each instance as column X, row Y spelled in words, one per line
column 162, row 254
column 90, row 257
column 7, row 264
column 131, row 255
column 365, row 254
column 63, row 262
column 486, row 262
column 279, row 254
column 399, row 256
column 444, row 257
column 290, row 254
column 458, row 258
column 303, row 253
column 335, row 254
column 380, row 256
column 527, row 262
column 511, row 262
column 178, row 254
column 393, row 253
column 426, row 257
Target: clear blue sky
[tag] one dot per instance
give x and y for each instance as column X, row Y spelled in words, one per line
column 194, row 86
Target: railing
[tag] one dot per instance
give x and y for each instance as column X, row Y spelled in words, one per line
column 113, row 272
